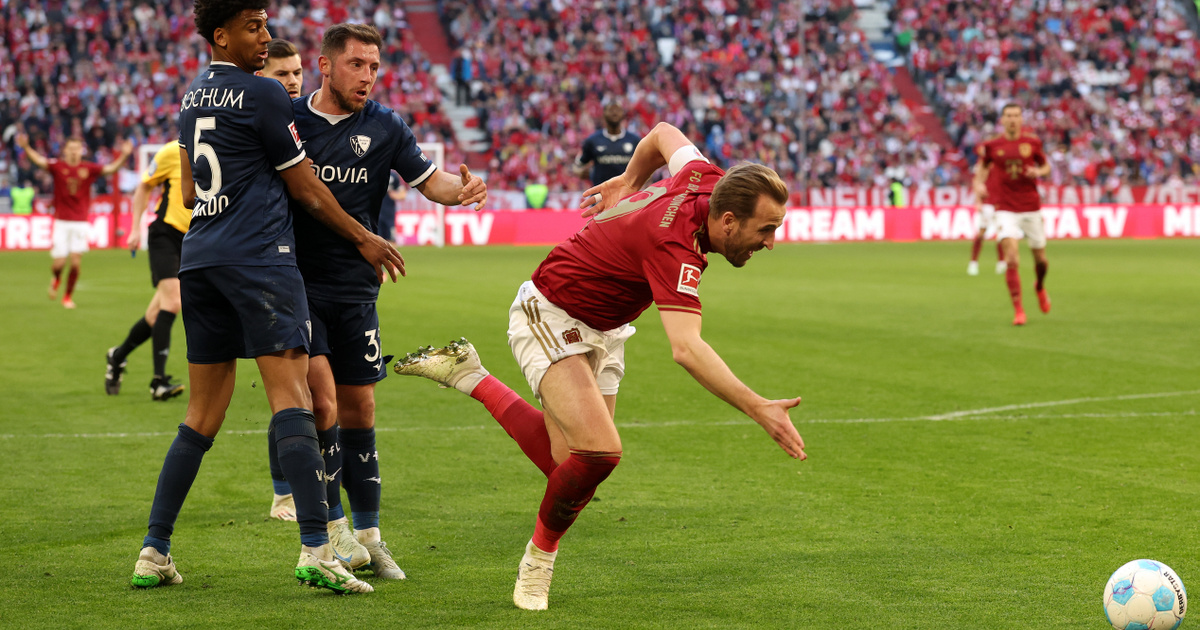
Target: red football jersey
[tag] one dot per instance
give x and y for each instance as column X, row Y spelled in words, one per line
column 1016, row 191
column 992, row 185
column 73, row 189
column 650, row 247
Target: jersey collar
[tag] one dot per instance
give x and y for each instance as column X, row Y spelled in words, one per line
column 604, row 132
column 332, row 119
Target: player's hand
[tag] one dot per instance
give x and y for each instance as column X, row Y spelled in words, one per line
column 773, row 417
column 474, row 191
column 599, row 198
column 382, row 255
column 126, row 146
column 134, row 240
column 980, row 190
column 23, row 141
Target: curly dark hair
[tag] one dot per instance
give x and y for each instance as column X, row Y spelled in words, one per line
column 214, row 14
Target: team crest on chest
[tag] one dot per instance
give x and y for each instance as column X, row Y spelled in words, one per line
column 1000, row 152
column 1025, row 149
column 82, row 173
column 572, row 336
column 360, row 144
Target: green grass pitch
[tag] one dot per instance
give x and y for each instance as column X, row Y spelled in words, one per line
column 962, row 473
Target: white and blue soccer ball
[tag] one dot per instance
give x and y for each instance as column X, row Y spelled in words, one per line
column 1145, row 595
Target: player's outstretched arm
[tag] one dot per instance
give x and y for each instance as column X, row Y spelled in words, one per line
column 651, row 154
column 303, row 186
column 453, row 190
column 113, row 166
column 141, row 196
column 706, row 366
column 38, row 159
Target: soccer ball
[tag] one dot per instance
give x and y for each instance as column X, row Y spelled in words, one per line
column 1145, row 595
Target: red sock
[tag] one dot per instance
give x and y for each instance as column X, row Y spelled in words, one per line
column 57, row 273
column 1040, row 269
column 520, row 420
column 975, row 247
column 71, row 279
column 1014, row 286
column 568, row 490
column 999, row 252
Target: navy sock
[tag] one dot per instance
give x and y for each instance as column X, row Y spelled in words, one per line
column 295, row 434
column 332, row 453
column 361, row 476
column 278, row 479
column 178, row 472
column 138, row 335
column 162, row 341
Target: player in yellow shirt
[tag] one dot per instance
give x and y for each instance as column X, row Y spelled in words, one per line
column 164, row 242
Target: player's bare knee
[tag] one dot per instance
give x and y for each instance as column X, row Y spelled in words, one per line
column 325, row 408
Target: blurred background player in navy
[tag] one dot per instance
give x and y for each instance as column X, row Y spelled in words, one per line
column 243, row 296
column 354, row 144
column 605, row 153
column 285, row 65
column 165, row 244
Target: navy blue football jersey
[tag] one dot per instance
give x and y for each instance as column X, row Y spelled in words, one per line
column 238, row 132
column 609, row 155
column 354, row 155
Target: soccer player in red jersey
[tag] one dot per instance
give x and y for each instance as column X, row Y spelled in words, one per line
column 72, row 197
column 1020, row 160
column 986, row 211
column 568, row 325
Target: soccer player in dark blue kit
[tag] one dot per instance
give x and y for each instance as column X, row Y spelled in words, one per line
column 242, row 292
column 354, row 144
column 608, row 150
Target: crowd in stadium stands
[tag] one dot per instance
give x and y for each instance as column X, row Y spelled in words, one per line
column 110, row 69
column 1109, row 86
column 728, row 72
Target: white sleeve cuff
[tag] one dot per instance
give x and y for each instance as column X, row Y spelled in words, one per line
column 682, row 156
column 290, row 163
column 424, row 176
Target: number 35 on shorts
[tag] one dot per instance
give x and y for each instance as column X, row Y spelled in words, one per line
column 372, row 354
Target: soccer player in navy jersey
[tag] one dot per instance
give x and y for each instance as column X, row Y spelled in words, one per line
column 568, row 325
column 285, row 65
column 242, row 293
column 355, row 143
column 609, row 150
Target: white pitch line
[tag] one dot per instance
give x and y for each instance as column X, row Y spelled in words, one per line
column 1055, row 403
column 983, row 414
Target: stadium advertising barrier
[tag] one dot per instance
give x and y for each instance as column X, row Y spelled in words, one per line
column 953, row 196
column 821, row 224
column 521, row 227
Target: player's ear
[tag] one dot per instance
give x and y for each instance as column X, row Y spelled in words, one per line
column 220, row 38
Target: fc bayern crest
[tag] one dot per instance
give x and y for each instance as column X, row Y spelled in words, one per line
column 360, row 144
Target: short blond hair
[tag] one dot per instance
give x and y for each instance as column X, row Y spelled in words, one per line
column 738, row 191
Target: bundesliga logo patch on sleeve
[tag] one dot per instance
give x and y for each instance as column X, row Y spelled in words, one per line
column 689, row 280
column 295, row 134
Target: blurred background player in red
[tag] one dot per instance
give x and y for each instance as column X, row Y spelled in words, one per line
column 986, row 211
column 72, row 197
column 1020, row 160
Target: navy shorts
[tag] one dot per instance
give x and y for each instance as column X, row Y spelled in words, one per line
column 349, row 335
column 243, row 312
